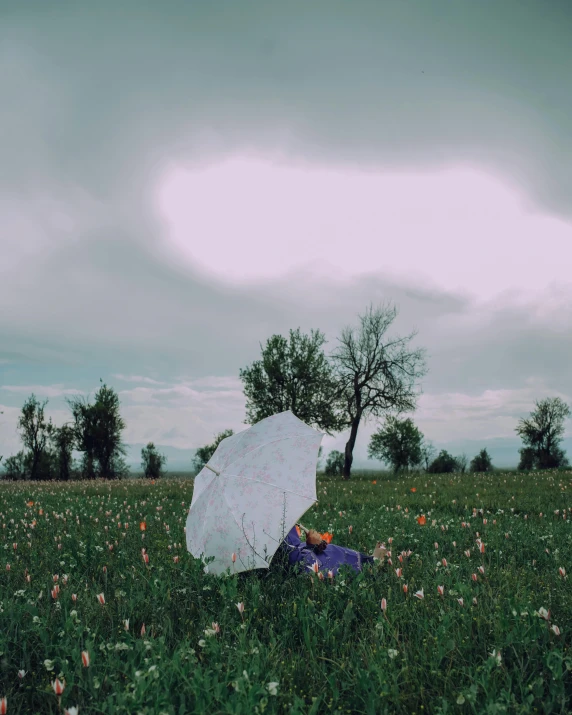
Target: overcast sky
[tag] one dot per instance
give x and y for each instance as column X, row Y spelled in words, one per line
column 181, row 180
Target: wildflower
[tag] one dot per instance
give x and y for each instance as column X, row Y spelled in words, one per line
column 142, row 630
column 497, row 656
column 398, row 572
column 240, row 607
column 405, row 588
column 474, row 601
column 146, row 558
column 71, row 711
column 555, row 630
column 315, row 567
column 175, row 559
column 440, row 590
column 543, row 613
column 3, row 705
column 562, row 571
column 85, row 658
column 460, row 601
column 21, row 674
column 374, row 481
column 49, row 664
column 444, row 562
column 419, row 594
column 482, row 548
column 392, row 653
column 233, row 557
column 330, row 574
column 272, row 688
column 74, row 597
column 215, row 627
column 384, row 604
column 436, row 546
column 413, row 489
column 101, row 598
column 58, row 686
column 350, row 528
column 143, row 526
column 54, row 593
column 327, row 537
column 126, row 624
column 421, row 520
column 482, row 569
column 474, row 576
column 390, row 540
column 467, row 553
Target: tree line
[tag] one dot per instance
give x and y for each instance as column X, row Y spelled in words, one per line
column 366, row 376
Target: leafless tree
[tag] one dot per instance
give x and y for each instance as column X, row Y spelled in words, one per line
column 374, row 377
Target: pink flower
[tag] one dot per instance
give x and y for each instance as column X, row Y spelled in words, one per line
column 562, row 571
column 240, row 607
column 444, row 562
column 460, row 602
column 315, row 567
column 143, row 630
column 233, row 557
column 405, row 588
column 58, row 686
column 85, row 659
column 419, row 594
column 74, row 597
column 398, row 572
column 440, row 590
column 467, row 553
column 330, row 574
column 3, row 705
column 482, row 569
column 215, row 627
column 474, row 576
column 384, row 604
column 555, row 630
column 482, row 547
column 436, row 546
column 350, row 528
column 101, row 598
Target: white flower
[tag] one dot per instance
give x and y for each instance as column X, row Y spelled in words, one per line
column 49, row 664
column 202, row 642
column 391, row 652
column 272, row 688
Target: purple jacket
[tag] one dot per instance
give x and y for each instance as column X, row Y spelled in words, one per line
column 331, row 558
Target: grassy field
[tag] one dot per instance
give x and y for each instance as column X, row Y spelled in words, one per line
column 302, row 645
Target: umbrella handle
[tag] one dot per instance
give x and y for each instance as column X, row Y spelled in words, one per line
column 303, row 527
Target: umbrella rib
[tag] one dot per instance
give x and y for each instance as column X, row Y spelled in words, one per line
column 260, row 481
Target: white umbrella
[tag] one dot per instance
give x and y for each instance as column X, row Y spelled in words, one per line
column 254, row 488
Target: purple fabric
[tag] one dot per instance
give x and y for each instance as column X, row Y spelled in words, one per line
column 331, row 558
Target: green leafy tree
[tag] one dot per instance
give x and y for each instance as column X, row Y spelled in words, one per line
column 542, row 434
column 152, row 462
column 98, row 430
column 398, row 443
column 17, row 466
column 481, row 462
column 63, row 442
column 292, row 375
column 334, row 464
column 443, row 464
column 374, row 377
column 203, row 454
column 36, row 432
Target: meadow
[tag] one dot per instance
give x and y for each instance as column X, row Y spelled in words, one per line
column 99, row 596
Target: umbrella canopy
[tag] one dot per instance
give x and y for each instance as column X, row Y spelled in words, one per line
column 254, row 488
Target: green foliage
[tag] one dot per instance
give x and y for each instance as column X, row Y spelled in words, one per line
column 63, row 441
column 203, row 454
column 17, row 466
column 36, row 433
column 461, row 463
column 398, row 443
column 444, row 463
column 305, row 646
column 152, row 462
column 292, row 375
column 542, row 434
column 481, row 462
column 98, row 429
column 334, row 464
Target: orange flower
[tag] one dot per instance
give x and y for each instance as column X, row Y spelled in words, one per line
column 421, row 519
column 30, row 503
column 327, row 537
column 413, row 489
column 142, row 526
column 374, row 481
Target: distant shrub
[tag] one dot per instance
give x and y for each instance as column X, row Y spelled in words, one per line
column 482, row 462
column 443, row 464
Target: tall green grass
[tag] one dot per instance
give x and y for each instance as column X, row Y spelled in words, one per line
column 302, row 645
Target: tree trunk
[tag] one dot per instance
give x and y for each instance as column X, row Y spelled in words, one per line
column 349, row 457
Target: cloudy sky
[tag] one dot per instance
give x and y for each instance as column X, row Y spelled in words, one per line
column 181, row 180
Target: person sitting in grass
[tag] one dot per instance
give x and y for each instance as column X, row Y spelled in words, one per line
column 329, row 557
